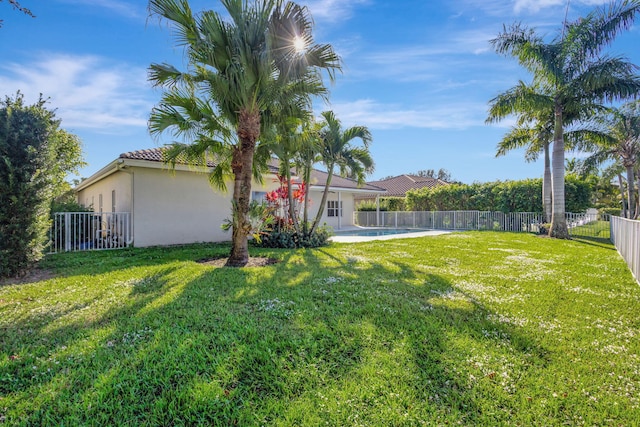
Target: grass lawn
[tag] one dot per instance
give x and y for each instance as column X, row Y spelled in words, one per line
column 477, row 328
column 596, row 229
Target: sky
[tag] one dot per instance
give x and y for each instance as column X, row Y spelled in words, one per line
column 418, row 73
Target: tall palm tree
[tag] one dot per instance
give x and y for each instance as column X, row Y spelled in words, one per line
column 619, row 141
column 573, row 75
column 287, row 143
column 336, row 149
column 242, row 71
column 307, row 155
column 533, row 130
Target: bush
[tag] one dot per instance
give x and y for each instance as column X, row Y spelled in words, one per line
column 386, row 204
column 288, row 238
column 610, row 211
column 508, row 196
column 370, row 206
column 25, row 184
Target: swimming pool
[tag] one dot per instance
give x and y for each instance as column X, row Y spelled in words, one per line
column 378, row 232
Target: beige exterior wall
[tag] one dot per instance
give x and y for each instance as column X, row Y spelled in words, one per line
column 335, row 222
column 181, row 207
column 117, row 184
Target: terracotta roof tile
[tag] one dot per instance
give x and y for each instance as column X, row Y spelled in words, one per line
column 399, row 185
column 320, row 178
column 317, row 177
column 156, row 155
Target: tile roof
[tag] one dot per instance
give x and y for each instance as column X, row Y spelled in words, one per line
column 317, row 177
column 399, row 185
column 156, row 155
column 320, row 178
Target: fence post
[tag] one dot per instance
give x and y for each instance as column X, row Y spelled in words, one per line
column 396, row 220
column 67, row 231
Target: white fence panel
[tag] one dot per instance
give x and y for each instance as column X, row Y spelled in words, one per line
column 625, row 235
column 82, row 231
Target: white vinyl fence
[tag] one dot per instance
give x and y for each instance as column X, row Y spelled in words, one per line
column 625, row 235
column 584, row 224
column 82, row 231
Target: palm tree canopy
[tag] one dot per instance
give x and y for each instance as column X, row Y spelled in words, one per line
column 572, row 68
column 250, row 62
column 243, row 74
column 617, row 136
column 337, row 148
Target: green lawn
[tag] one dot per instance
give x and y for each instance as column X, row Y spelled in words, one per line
column 595, row 229
column 477, row 328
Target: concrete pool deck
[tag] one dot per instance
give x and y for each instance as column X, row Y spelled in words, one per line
column 353, row 239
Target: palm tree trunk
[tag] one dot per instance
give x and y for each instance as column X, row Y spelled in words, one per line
column 558, row 227
column 324, row 198
column 630, row 191
column 546, row 185
column 242, row 167
column 292, row 211
column 306, row 178
column 623, row 211
column 638, row 196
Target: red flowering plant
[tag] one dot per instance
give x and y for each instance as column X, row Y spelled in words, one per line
column 278, row 202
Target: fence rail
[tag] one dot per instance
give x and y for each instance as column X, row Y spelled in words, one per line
column 81, row 231
column 625, row 235
column 586, row 224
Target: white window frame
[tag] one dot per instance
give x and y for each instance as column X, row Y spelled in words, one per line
column 334, row 208
column 259, row 196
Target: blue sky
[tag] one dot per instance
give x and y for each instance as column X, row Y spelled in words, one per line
column 418, row 73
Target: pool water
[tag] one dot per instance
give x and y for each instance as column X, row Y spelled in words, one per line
column 378, row 232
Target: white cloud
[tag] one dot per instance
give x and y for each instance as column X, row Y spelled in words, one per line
column 120, row 7
column 332, row 10
column 87, row 91
column 535, row 6
column 375, row 115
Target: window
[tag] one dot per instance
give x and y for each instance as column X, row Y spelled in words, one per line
column 334, row 208
column 100, row 203
column 113, row 200
column 259, row 196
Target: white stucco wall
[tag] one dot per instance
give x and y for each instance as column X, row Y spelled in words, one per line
column 347, row 208
column 119, row 182
column 181, row 207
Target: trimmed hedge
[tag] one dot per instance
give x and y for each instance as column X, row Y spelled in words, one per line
column 386, row 204
column 503, row 196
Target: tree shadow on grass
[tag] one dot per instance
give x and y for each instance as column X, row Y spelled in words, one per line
column 313, row 338
column 594, row 241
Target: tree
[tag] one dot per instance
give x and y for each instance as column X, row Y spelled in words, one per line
column 573, row 75
column 336, row 149
column 307, row 155
column 442, row 174
column 35, row 156
column 619, row 140
column 15, row 5
column 241, row 73
column 534, row 130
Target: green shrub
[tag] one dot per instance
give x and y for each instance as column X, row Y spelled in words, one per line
column 385, row 204
column 288, row 238
column 610, row 211
column 508, row 196
column 25, row 184
column 370, row 206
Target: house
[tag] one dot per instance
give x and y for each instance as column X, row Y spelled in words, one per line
column 398, row 186
column 166, row 207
